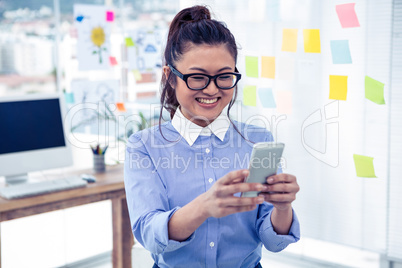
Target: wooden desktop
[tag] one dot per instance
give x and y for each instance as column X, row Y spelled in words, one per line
column 109, row 186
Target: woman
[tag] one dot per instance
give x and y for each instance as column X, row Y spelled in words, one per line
column 183, row 178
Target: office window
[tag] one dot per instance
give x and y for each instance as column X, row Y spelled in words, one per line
column 27, row 47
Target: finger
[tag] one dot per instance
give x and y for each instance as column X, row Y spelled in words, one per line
column 282, row 188
column 241, row 187
column 234, row 201
column 232, row 210
column 234, row 176
column 281, row 178
column 279, row 197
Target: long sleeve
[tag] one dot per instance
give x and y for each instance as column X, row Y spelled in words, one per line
column 270, row 239
column 147, row 200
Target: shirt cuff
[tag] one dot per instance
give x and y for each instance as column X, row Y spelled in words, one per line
column 165, row 244
column 275, row 242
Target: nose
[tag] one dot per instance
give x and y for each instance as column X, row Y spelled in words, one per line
column 211, row 89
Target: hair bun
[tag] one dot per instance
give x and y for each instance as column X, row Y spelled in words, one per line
column 198, row 13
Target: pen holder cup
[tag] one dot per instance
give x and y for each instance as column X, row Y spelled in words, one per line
column 99, row 163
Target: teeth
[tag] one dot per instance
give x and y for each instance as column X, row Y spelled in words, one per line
column 208, row 101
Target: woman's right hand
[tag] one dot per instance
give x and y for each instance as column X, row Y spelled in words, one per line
column 219, row 201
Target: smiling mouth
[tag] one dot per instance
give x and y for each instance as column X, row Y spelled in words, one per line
column 207, row 101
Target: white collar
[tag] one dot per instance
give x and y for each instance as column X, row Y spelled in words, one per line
column 190, row 131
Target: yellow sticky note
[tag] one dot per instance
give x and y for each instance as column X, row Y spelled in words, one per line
column 338, row 87
column 268, row 67
column 364, row 166
column 289, row 40
column 283, row 101
column 252, row 66
column 250, row 95
column 374, row 90
column 137, row 75
column 312, row 43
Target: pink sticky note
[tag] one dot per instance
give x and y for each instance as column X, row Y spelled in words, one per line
column 109, row 16
column 283, row 101
column 347, row 15
column 113, row 61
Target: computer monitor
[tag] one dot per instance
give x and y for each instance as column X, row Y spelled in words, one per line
column 32, row 135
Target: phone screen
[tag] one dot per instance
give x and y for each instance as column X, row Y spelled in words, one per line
column 264, row 162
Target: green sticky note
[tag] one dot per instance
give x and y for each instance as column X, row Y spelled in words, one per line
column 129, row 42
column 250, row 95
column 364, row 166
column 252, row 66
column 374, row 90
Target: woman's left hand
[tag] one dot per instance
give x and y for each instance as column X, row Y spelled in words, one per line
column 281, row 191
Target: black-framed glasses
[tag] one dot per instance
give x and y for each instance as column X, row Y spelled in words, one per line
column 199, row 81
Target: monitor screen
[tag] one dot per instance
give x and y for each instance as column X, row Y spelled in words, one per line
column 32, row 136
column 31, row 125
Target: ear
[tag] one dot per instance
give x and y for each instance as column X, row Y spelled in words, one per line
column 166, row 71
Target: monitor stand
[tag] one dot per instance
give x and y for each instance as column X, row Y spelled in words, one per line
column 17, row 179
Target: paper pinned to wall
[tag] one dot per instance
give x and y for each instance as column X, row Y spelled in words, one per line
column 113, row 61
column 268, row 67
column 307, row 72
column 93, row 43
column 266, row 97
column 129, row 42
column 121, row 107
column 374, row 90
column 289, row 40
column 364, row 166
column 338, row 87
column 285, row 68
column 252, row 66
column 347, row 15
column 69, row 97
column 283, row 101
column 250, row 95
column 312, row 43
column 274, row 11
column 109, row 16
column 340, row 52
column 144, row 49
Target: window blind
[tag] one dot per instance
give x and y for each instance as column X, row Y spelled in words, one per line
column 395, row 139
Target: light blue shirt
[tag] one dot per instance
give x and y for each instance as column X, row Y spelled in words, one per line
column 164, row 173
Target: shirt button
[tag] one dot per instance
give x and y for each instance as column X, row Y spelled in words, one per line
column 210, row 180
column 212, row 244
column 207, row 150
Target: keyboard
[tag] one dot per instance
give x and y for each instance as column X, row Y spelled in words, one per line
column 43, row 187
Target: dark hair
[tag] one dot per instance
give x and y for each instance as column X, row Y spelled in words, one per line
column 192, row 26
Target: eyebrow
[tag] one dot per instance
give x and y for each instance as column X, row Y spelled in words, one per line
column 205, row 71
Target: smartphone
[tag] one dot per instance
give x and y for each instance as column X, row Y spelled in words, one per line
column 264, row 162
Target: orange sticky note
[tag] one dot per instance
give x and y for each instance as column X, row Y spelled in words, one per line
column 268, row 67
column 338, row 87
column 112, row 60
column 283, row 101
column 312, row 43
column 289, row 40
column 120, row 107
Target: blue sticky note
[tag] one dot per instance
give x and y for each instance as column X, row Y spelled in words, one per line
column 274, row 12
column 340, row 52
column 266, row 97
column 69, row 97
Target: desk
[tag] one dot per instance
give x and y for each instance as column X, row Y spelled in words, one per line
column 109, row 186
